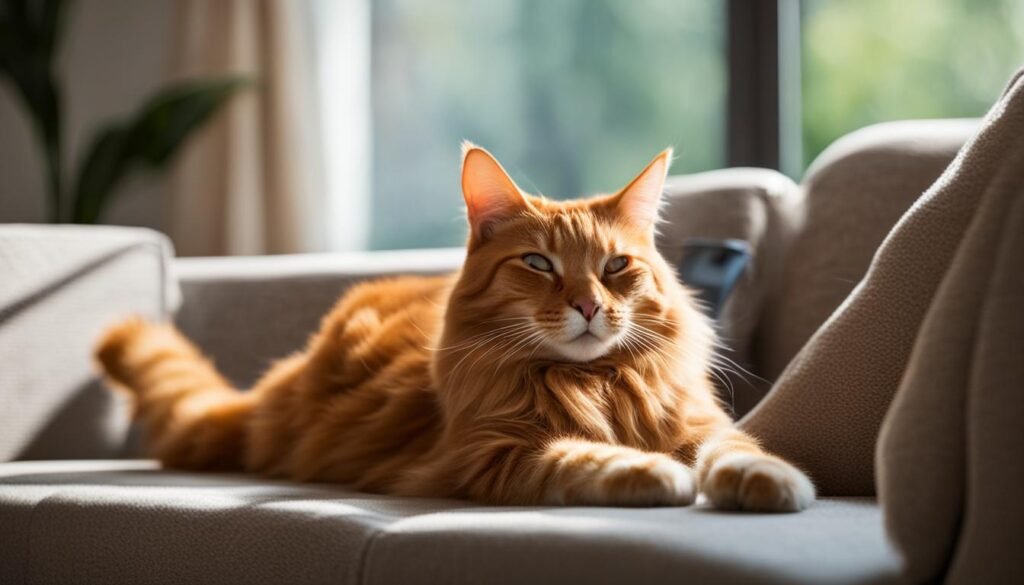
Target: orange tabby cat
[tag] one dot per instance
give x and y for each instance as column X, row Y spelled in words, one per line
column 563, row 365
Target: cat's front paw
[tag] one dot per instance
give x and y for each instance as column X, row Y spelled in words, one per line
column 643, row 480
column 757, row 483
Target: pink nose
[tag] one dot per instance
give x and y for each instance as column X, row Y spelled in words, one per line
column 587, row 307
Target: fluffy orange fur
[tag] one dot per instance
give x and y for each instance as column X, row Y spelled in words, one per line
column 564, row 364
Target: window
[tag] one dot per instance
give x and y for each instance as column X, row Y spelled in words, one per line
column 573, row 96
column 867, row 61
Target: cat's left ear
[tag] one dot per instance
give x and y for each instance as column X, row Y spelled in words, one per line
column 491, row 195
column 638, row 202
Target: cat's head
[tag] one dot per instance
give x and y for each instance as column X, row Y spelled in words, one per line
column 572, row 281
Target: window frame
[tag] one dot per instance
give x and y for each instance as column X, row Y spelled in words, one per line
column 763, row 96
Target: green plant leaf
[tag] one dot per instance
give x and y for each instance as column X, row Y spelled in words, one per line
column 30, row 32
column 103, row 167
column 29, row 37
column 148, row 141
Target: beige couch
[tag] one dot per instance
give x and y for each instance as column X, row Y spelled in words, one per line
column 842, row 311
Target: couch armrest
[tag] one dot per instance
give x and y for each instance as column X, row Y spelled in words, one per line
column 246, row 312
column 59, row 287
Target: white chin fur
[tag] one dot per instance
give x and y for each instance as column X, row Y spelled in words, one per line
column 583, row 349
column 580, row 347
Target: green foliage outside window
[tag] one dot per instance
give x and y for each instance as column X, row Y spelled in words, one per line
column 868, row 61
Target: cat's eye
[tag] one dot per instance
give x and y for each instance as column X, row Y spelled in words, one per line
column 616, row 264
column 538, row 262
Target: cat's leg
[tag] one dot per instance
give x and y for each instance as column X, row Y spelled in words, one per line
column 736, row 474
column 588, row 473
column 564, row 472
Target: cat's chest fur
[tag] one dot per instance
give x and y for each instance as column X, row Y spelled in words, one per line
column 620, row 405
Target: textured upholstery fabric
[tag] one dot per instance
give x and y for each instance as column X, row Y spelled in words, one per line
column 853, row 195
column 246, row 312
column 756, row 206
column 59, row 286
column 827, row 406
column 125, row 522
column 950, row 456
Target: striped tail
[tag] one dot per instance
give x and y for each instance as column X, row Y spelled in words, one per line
column 193, row 418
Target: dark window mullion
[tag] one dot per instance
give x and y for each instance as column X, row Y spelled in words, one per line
column 763, row 89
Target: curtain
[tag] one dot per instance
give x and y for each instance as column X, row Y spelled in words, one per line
column 249, row 182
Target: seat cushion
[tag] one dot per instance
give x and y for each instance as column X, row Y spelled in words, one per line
column 130, row 522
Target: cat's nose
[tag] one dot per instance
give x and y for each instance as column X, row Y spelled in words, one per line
column 586, row 306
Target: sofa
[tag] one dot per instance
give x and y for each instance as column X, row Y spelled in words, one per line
column 872, row 335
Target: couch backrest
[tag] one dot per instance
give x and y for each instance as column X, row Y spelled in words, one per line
column 811, row 244
column 853, row 195
column 59, row 287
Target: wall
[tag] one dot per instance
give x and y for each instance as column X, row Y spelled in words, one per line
column 115, row 53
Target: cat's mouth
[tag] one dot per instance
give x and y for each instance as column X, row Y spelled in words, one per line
column 584, row 347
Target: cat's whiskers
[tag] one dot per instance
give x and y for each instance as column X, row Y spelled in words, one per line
column 714, row 368
column 644, row 348
column 481, row 340
column 724, row 381
column 536, row 346
column 478, row 344
column 653, row 336
column 536, row 335
column 719, row 365
column 470, row 340
column 647, row 357
column 502, row 344
column 734, row 367
column 652, row 344
column 510, row 337
column 634, row 352
column 648, row 331
column 720, row 361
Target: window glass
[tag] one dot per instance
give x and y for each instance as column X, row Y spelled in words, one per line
column 868, row 61
column 573, row 96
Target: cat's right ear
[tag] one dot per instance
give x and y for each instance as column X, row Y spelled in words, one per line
column 491, row 195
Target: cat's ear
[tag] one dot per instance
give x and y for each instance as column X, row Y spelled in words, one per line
column 638, row 202
column 491, row 195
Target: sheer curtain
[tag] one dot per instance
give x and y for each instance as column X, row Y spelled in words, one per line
column 253, row 181
column 340, row 31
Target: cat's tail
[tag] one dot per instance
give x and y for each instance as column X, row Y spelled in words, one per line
column 192, row 417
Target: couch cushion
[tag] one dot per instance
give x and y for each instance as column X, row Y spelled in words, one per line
column 128, row 522
column 949, row 455
column 853, row 195
column 246, row 312
column 59, row 287
column 826, row 408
